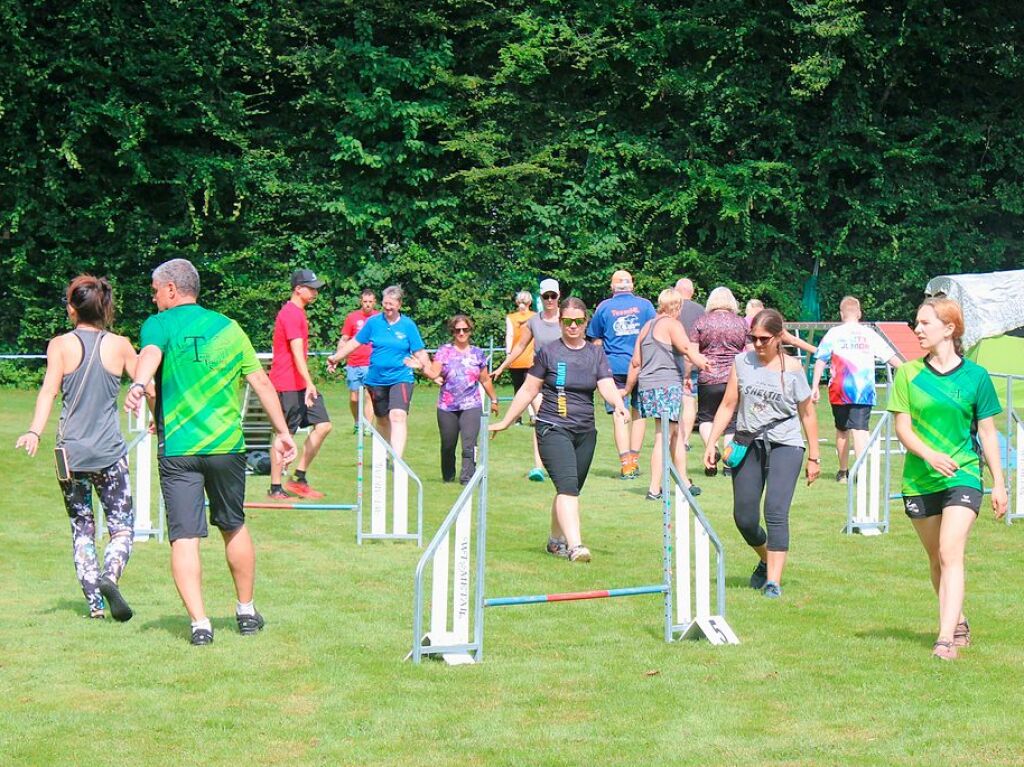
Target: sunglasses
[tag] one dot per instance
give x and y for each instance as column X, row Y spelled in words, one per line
column 758, row 340
column 549, row 296
column 460, row 331
column 574, row 321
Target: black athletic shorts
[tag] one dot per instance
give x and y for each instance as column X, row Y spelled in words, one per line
column 183, row 480
column 851, row 417
column 387, row 398
column 297, row 415
column 709, row 397
column 566, row 455
column 932, row 504
column 634, row 397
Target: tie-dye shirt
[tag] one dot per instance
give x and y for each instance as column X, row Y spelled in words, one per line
column 461, row 373
column 850, row 350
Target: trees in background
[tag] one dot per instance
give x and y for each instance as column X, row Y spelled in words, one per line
column 463, row 148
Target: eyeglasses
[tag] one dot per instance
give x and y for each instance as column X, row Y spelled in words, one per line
column 549, row 296
column 460, row 331
column 758, row 340
column 571, row 321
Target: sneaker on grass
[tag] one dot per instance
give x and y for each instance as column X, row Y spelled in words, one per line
column 302, row 489
column 842, row 477
column 249, row 624
column 201, row 637
column 772, row 590
column 579, row 554
column 759, row 577
column 536, row 474
column 556, row 547
column 119, row 609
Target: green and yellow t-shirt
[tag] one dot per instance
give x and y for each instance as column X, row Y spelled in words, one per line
column 943, row 408
column 198, row 410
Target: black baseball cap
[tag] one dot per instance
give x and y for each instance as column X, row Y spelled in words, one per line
column 308, row 278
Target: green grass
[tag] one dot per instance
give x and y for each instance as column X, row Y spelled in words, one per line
column 836, row 672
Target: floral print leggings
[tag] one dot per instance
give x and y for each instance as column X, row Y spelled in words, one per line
column 114, row 489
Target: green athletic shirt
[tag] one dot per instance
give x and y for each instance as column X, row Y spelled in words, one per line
column 943, row 407
column 198, row 410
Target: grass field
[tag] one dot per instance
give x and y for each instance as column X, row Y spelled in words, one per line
column 837, row 672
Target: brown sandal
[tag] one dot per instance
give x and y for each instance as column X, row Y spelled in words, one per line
column 962, row 634
column 944, row 650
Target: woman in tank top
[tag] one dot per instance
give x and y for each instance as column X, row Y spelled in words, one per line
column 654, row 371
column 768, row 391
column 86, row 366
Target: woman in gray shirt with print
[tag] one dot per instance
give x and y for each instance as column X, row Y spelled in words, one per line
column 773, row 399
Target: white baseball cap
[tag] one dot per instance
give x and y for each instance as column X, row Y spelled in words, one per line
column 549, row 286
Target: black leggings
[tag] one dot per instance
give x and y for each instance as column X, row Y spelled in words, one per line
column 779, row 474
column 451, row 424
column 566, row 455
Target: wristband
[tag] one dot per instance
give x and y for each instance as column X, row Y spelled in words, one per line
column 814, row 460
column 137, row 383
column 33, row 433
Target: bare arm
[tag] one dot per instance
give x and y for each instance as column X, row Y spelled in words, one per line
column 819, row 369
column 722, row 417
column 611, row 394
column 488, row 384
column 990, row 448
column 525, row 336
column 894, row 362
column 345, row 348
column 527, row 393
column 509, row 334
column 145, row 368
column 421, row 361
column 634, row 367
column 682, row 344
column 941, row 462
column 299, row 358
column 48, row 391
column 809, row 419
column 791, row 340
column 283, row 443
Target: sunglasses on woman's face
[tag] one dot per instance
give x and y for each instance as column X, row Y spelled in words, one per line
column 571, row 321
column 758, row 340
column 460, row 331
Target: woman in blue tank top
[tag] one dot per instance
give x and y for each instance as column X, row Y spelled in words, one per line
column 85, row 366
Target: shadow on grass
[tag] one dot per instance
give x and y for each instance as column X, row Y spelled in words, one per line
column 77, row 606
column 901, row 635
column 179, row 626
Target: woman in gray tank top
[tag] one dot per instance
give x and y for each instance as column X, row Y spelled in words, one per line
column 655, row 372
column 770, row 390
column 85, row 366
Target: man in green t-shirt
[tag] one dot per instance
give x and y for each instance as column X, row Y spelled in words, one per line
column 197, row 358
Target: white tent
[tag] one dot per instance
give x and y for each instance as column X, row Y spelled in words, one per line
column 993, row 302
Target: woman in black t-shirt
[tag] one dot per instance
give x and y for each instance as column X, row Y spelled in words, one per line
column 566, row 374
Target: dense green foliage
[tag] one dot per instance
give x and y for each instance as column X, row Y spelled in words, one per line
column 463, row 148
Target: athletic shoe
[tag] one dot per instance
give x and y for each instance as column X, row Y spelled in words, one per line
column 535, row 474
column 944, row 650
column 249, row 624
column 726, row 471
column 579, row 554
column 759, row 577
column 653, row 496
column 278, row 495
column 629, row 471
column 119, row 609
column 355, row 428
column 771, row 589
column 962, row 634
column 694, row 490
column 201, row 637
column 557, row 548
column 303, row 490
column 842, row 477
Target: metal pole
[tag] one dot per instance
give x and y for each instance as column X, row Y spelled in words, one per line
column 667, row 497
column 483, row 466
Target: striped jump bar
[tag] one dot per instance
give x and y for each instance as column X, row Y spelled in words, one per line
column 310, row 506
column 573, row 596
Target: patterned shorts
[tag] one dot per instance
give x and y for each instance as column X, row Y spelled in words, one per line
column 666, row 399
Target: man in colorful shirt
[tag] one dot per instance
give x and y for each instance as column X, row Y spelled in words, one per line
column 615, row 326
column 850, row 350
column 359, row 360
column 302, row 404
column 198, row 357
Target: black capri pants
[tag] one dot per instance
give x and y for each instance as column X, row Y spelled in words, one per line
column 773, row 474
column 566, row 455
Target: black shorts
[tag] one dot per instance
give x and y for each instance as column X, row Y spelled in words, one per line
column 851, row 417
column 183, row 480
column 297, row 415
column 387, row 398
column 932, row 504
column 634, row 398
column 518, row 377
column 709, row 397
column 566, row 455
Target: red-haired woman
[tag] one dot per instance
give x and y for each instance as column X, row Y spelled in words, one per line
column 86, row 366
column 939, row 401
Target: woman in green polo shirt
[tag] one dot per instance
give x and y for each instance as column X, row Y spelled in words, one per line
column 939, row 401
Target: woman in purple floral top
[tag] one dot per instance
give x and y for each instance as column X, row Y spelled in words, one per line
column 461, row 370
column 720, row 334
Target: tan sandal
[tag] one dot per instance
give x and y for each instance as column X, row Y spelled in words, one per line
column 962, row 634
column 944, row 650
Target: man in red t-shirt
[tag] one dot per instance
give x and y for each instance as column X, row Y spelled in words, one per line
column 359, row 360
column 302, row 404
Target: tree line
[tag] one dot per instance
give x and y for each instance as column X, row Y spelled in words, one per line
column 463, row 149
